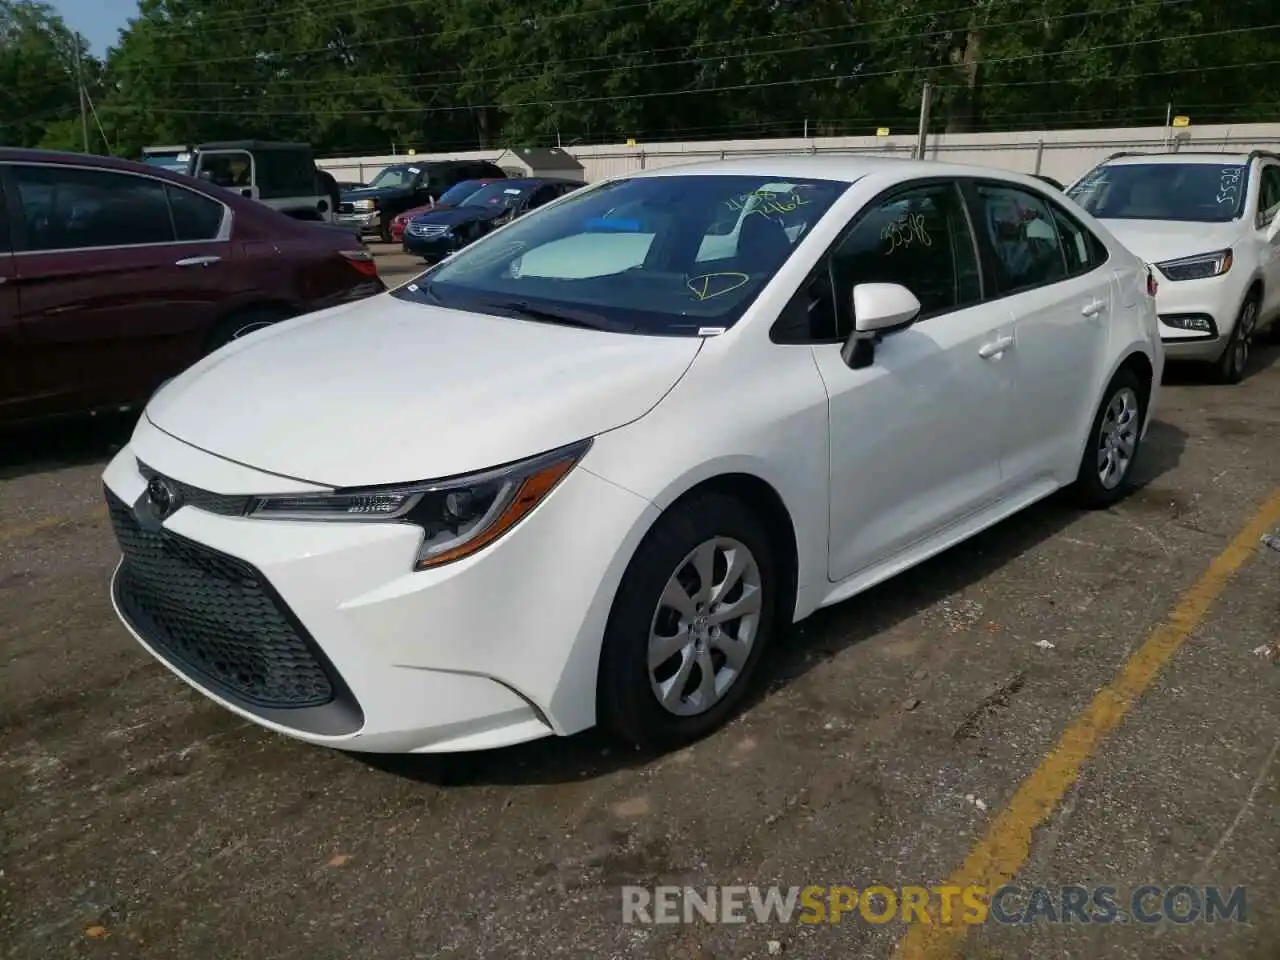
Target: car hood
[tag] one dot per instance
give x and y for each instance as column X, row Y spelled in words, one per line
column 451, row 216
column 389, row 391
column 373, row 193
column 1158, row 240
column 409, row 214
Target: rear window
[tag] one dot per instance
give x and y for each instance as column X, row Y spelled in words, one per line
column 1193, row 192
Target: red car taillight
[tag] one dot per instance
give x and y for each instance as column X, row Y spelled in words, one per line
column 362, row 260
column 1152, row 285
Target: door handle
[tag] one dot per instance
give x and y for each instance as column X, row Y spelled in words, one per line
column 1093, row 308
column 996, row 347
column 197, row 261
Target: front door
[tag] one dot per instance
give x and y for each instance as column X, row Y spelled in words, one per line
column 916, row 437
column 1268, row 209
column 1049, row 271
column 15, row 385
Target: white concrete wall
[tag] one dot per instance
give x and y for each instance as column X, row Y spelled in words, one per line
column 1062, row 154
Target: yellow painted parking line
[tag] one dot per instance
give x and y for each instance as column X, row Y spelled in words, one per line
column 22, row 531
column 1001, row 853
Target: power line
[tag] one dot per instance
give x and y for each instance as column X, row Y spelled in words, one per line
column 341, row 86
column 684, row 48
column 740, row 87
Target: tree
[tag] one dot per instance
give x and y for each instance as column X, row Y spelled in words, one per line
column 38, row 76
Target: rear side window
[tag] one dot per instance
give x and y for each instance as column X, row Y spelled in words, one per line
column 194, row 217
column 4, row 220
column 70, row 208
column 1082, row 250
column 285, row 173
column 1020, row 229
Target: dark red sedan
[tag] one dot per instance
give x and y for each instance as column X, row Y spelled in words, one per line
column 115, row 276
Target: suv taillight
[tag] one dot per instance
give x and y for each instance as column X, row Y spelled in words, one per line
column 1152, row 285
column 362, row 260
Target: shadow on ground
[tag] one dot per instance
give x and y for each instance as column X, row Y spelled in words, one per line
column 57, row 444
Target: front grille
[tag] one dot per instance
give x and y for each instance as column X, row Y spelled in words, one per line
column 216, row 618
column 427, row 229
column 346, row 208
column 223, row 504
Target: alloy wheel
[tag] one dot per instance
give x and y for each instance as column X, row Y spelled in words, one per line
column 1118, row 438
column 704, row 627
column 1244, row 337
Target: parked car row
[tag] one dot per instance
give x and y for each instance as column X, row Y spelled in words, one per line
column 404, row 186
column 115, row 276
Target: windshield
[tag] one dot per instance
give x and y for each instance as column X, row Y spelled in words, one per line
column 659, row 255
column 460, row 191
column 395, row 177
column 1199, row 192
column 499, row 194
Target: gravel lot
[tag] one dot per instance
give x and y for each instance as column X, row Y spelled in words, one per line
column 140, row 820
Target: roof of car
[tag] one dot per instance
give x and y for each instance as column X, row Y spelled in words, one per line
column 23, row 155
column 258, row 145
column 1182, row 157
column 844, row 168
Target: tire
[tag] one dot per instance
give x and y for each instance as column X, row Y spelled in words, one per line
column 240, row 323
column 384, row 229
column 1234, row 362
column 628, row 703
column 1124, row 402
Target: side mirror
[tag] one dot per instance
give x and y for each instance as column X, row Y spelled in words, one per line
column 878, row 308
column 250, row 192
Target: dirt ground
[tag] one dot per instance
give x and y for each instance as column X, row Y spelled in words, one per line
column 140, row 820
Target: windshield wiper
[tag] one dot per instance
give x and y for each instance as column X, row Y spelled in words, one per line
column 567, row 318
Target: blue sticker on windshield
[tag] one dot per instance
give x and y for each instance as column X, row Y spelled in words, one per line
column 613, row 225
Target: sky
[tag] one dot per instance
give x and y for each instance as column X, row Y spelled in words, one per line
column 98, row 21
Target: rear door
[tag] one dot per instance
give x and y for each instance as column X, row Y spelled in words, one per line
column 1048, row 270
column 119, row 276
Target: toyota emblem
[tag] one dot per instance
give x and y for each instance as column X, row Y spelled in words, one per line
column 161, row 497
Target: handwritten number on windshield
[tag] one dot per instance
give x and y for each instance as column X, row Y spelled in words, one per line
column 905, row 231
column 1229, row 185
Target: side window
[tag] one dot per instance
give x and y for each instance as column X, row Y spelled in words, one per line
column 71, row 208
column 1020, row 229
column 4, row 218
column 1083, row 251
column 543, row 195
column 1268, row 193
column 194, row 217
column 920, row 239
column 233, row 170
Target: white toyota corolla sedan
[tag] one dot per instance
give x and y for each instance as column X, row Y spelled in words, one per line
column 588, row 469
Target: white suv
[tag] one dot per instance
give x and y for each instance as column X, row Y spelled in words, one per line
column 1207, row 222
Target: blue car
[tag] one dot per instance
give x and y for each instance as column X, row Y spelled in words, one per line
column 434, row 235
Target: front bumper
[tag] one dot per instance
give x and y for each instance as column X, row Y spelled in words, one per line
column 321, row 631
column 364, row 220
column 432, row 249
column 1188, row 306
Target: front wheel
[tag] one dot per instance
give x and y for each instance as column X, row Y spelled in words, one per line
column 1235, row 358
column 1114, row 439
column 693, row 616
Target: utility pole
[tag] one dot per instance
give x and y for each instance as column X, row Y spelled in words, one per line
column 84, row 113
column 926, row 101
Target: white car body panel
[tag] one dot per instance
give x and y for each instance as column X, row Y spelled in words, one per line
column 877, row 468
column 354, row 394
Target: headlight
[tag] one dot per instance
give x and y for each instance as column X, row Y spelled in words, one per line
column 362, row 205
column 458, row 516
column 1200, row 267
